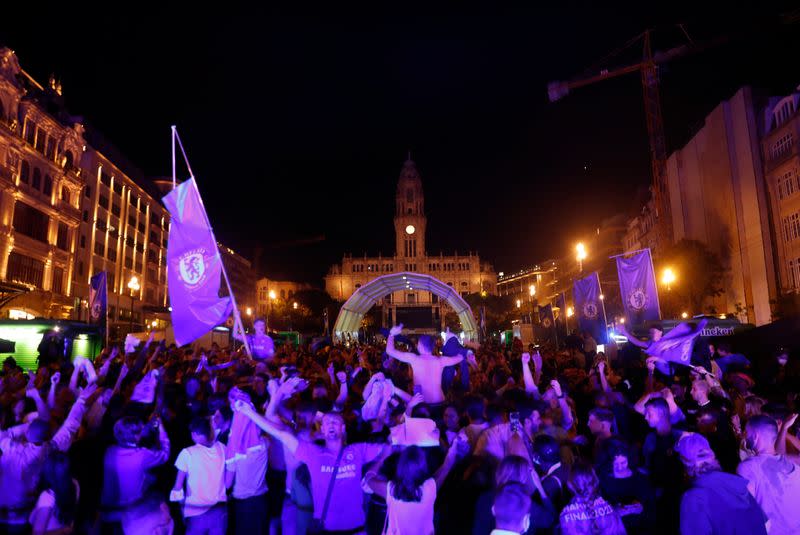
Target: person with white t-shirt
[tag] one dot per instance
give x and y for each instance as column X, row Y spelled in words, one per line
column 201, row 468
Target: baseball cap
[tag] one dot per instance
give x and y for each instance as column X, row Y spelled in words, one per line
column 694, row 448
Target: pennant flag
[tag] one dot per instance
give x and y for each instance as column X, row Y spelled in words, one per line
column 98, row 299
column 676, row 345
column 637, row 284
column 194, row 267
column 546, row 317
column 589, row 307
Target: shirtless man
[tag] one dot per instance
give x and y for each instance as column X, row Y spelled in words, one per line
column 426, row 367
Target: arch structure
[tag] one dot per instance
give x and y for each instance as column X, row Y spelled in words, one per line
column 364, row 298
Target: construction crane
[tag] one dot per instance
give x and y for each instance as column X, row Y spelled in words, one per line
column 648, row 69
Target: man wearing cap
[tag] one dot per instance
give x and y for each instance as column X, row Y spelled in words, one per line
column 716, row 502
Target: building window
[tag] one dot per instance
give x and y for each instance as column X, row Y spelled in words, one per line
column 30, row 131
column 65, row 196
column 80, row 268
column 83, row 242
column 118, row 187
column 37, row 179
column 101, row 225
column 411, row 298
column 58, row 280
column 102, row 200
column 112, row 252
column 128, row 262
column 100, row 246
column 115, row 209
column 138, row 267
column 86, row 216
column 41, row 138
column 30, row 222
column 48, row 185
column 105, row 178
column 51, row 148
column 25, row 172
column 132, row 221
column 62, row 241
column 141, row 227
column 25, row 269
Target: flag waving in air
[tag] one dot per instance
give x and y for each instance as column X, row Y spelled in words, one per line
column 194, row 267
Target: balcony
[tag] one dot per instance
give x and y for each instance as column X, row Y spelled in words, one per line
column 68, row 210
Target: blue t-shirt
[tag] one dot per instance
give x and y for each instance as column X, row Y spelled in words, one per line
column 261, row 346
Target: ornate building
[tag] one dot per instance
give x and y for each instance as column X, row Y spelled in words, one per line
column 782, row 173
column 420, row 310
column 40, row 194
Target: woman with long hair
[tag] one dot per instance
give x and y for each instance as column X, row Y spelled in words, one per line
column 54, row 512
column 588, row 512
column 411, row 493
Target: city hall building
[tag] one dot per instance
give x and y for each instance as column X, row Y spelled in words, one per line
column 418, row 310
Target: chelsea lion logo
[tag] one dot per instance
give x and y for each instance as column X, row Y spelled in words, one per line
column 590, row 310
column 96, row 309
column 547, row 323
column 638, row 299
column 192, row 267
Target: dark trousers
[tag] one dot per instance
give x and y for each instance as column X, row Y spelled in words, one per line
column 250, row 516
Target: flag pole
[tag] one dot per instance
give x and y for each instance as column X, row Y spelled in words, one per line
column 236, row 316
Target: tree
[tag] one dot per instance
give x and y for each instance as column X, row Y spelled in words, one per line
column 500, row 310
column 699, row 276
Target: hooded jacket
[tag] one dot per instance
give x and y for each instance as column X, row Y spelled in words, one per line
column 719, row 503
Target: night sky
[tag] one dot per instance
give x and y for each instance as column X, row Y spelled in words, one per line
column 297, row 124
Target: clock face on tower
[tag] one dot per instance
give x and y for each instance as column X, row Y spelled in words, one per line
column 410, row 229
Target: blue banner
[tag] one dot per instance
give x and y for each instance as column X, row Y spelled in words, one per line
column 589, row 307
column 98, row 299
column 546, row 318
column 676, row 346
column 637, row 284
column 194, row 267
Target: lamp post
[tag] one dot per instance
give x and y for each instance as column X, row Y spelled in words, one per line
column 668, row 277
column 133, row 286
column 269, row 308
column 580, row 250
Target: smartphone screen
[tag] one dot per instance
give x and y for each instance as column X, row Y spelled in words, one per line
column 418, row 389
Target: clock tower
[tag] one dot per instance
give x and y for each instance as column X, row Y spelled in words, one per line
column 409, row 219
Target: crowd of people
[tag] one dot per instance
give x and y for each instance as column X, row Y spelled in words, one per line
column 408, row 437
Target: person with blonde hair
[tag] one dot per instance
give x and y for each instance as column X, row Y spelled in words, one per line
column 588, row 512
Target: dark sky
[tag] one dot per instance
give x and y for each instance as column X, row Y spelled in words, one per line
column 297, row 124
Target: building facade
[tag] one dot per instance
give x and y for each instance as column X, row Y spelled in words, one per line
column 465, row 273
column 242, row 277
column 41, row 182
column 718, row 196
column 782, row 173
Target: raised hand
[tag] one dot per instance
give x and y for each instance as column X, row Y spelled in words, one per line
column 556, row 386
column 537, row 360
column 341, row 376
column 55, row 379
column 601, row 366
column 397, row 329
column 87, row 392
column 526, row 358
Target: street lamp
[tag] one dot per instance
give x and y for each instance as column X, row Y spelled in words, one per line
column 294, row 305
column 668, row 277
column 532, row 290
column 519, row 303
column 249, row 311
column 570, row 312
column 684, row 315
column 133, row 286
column 269, row 308
column 580, row 249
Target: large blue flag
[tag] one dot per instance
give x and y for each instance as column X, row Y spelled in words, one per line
column 547, row 322
column 194, row 267
column 676, row 346
column 637, row 284
column 98, row 299
column 589, row 307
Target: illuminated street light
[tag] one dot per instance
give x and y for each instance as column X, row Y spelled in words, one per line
column 294, row 305
column 133, row 286
column 532, row 290
column 684, row 315
column 581, row 254
column 668, row 277
column 519, row 303
column 249, row 311
column 570, row 312
column 602, row 297
column 622, row 320
column 272, row 294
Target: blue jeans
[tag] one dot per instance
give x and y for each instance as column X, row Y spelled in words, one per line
column 212, row 522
